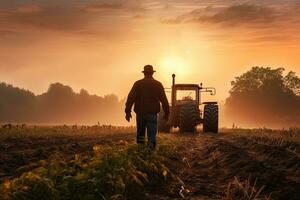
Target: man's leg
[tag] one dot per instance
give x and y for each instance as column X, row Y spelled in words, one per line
column 141, row 128
column 151, row 130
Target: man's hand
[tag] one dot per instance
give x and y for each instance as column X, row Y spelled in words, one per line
column 166, row 117
column 128, row 117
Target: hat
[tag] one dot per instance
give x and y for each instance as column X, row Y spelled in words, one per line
column 148, row 69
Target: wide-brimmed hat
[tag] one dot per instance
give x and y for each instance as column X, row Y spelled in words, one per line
column 148, row 69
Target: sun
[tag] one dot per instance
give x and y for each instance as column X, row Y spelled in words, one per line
column 169, row 65
column 172, row 64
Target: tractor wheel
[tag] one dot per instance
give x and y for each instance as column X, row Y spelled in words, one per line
column 188, row 118
column 163, row 125
column 211, row 118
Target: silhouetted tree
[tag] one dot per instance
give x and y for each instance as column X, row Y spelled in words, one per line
column 16, row 103
column 292, row 81
column 263, row 96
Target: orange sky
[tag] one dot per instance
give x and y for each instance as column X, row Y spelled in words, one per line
column 102, row 45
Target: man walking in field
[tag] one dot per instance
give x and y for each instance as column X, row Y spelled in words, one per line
column 146, row 95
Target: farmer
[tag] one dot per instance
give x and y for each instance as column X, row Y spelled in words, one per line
column 146, row 95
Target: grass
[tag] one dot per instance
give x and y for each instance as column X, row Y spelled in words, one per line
column 244, row 190
column 49, row 131
column 287, row 138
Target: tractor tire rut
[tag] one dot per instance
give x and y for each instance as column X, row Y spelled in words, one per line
column 210, row 162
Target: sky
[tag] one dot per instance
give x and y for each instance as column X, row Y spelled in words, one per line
column 102, row 45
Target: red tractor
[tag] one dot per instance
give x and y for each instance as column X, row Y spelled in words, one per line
column 185, row 111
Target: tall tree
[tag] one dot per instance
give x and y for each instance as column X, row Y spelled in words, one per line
column 264, row 96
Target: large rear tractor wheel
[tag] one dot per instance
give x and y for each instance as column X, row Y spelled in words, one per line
column 188, row 118
column 211, row 118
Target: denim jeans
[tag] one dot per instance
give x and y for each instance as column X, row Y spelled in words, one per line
column 149, row 122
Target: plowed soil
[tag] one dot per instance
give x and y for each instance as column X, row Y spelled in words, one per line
column 205, row 164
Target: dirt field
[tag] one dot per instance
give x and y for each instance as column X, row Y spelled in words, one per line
column 213, row 162
column 264, row 162
column 20, row 154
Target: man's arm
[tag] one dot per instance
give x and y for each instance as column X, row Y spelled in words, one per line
column 164, row 100
column 130, row 99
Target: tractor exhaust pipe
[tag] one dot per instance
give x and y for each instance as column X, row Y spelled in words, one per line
column 173, row 79
column 173, row 92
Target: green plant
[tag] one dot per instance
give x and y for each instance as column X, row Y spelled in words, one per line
column 113, row 172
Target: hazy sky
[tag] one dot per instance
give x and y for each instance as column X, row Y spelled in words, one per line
column 102, row 45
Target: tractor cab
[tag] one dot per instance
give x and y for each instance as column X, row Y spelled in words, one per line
column 185, row 93
column 189, row 93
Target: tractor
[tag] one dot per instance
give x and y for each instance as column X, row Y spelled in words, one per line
column 185, row 111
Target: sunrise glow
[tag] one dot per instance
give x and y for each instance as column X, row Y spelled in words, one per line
column 94, row 43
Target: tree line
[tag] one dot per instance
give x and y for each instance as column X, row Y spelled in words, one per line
column 60, row 104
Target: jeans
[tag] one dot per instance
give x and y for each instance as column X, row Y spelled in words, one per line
column 149, row 122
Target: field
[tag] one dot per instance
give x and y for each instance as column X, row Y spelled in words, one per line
column 103, row 162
